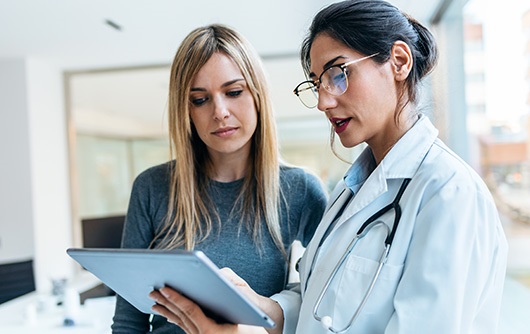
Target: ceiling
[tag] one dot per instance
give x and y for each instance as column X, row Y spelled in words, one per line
column 74, row 34
column 105, row 44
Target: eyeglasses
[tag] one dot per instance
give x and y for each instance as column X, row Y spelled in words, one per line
column 334, row 79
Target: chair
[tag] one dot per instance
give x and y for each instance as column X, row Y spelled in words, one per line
column 103, row 232
column 16, row 279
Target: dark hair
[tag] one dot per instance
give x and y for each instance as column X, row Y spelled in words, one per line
column 373, row 26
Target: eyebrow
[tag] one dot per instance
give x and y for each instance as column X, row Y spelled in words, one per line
column 226, row 84
column 328, row 64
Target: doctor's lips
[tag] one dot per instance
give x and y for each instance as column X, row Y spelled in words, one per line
column 225, row 132
column 340, row 124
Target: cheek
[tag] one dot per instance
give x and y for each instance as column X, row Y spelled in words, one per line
column 199, row 123
column 252, row 120
column 377, row 92
column 386, row 84
column 249, row 114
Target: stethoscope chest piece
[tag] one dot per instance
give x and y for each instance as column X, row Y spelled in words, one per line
column 326, row 322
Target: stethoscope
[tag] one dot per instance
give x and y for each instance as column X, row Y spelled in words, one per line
column 327, row 321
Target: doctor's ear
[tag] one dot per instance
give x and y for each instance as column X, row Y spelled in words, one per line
column 401, row 59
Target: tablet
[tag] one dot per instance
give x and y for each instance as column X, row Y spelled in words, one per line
column 134, row 273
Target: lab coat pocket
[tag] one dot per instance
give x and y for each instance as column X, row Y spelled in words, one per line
column 355, row 281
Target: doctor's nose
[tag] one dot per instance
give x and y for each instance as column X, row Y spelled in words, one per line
column 326, row 100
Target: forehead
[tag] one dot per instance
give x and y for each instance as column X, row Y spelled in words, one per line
column 326, row 48
column 219, row 69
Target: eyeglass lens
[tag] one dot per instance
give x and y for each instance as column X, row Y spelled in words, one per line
column 333, row 80
column 307, row 93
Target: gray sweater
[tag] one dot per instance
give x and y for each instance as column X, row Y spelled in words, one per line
column 263, row 267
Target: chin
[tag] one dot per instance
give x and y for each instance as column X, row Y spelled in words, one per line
column 348, row 143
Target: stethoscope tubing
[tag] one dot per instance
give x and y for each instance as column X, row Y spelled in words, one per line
column 382, row 261
column 361, row 233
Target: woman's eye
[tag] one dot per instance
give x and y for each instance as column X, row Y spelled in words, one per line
column 234, row 93
column 198, row 101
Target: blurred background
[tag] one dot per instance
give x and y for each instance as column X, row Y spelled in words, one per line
column 83, row 97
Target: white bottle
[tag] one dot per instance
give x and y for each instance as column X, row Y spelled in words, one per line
column 72, row 303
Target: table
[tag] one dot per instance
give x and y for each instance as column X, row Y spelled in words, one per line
column 39, row 313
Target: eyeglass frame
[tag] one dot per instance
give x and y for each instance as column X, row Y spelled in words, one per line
column 318, row 82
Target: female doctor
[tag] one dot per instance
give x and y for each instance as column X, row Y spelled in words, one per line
column 411, row 241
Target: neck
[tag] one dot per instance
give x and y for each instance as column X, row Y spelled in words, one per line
column 228, row 168
column 392, row 137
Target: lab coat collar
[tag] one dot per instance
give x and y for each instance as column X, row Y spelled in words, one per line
column 401, row 162
column 368, row 181
column 404, row 159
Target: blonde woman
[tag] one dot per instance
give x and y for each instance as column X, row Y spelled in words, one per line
column 225, row 191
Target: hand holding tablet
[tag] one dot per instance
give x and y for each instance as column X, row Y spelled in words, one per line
column 134, row 273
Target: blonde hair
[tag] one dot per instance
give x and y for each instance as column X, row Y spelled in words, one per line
column 188, row 199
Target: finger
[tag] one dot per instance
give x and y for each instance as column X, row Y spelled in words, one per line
column 192, row 315
column 170, row 310
column 188, row 311
column 242, row 285
column 187, row 308
column 170, row 316
column 233, row 277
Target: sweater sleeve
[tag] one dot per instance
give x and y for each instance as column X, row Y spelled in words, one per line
column 138, row 230
column 313, row 206
column 128, row 320
column 138, row 233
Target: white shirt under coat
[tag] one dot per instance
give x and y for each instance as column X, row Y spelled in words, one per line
column 446, row 267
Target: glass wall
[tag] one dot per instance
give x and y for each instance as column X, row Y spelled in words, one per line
column 497, row 68
column 119, row 119
column 107, row 167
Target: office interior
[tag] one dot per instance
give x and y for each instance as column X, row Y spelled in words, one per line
column 83, row 110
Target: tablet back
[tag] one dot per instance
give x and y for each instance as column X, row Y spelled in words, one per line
column 134, row 273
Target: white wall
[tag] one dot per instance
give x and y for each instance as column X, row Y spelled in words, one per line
column 16, row 210
column 50, row 174
column 35, row 210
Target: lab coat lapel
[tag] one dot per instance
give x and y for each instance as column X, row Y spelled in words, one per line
column 374, row 186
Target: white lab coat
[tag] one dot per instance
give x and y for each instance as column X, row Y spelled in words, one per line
column 446, row 267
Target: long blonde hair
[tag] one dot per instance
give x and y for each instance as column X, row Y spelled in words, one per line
column 188, row 199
